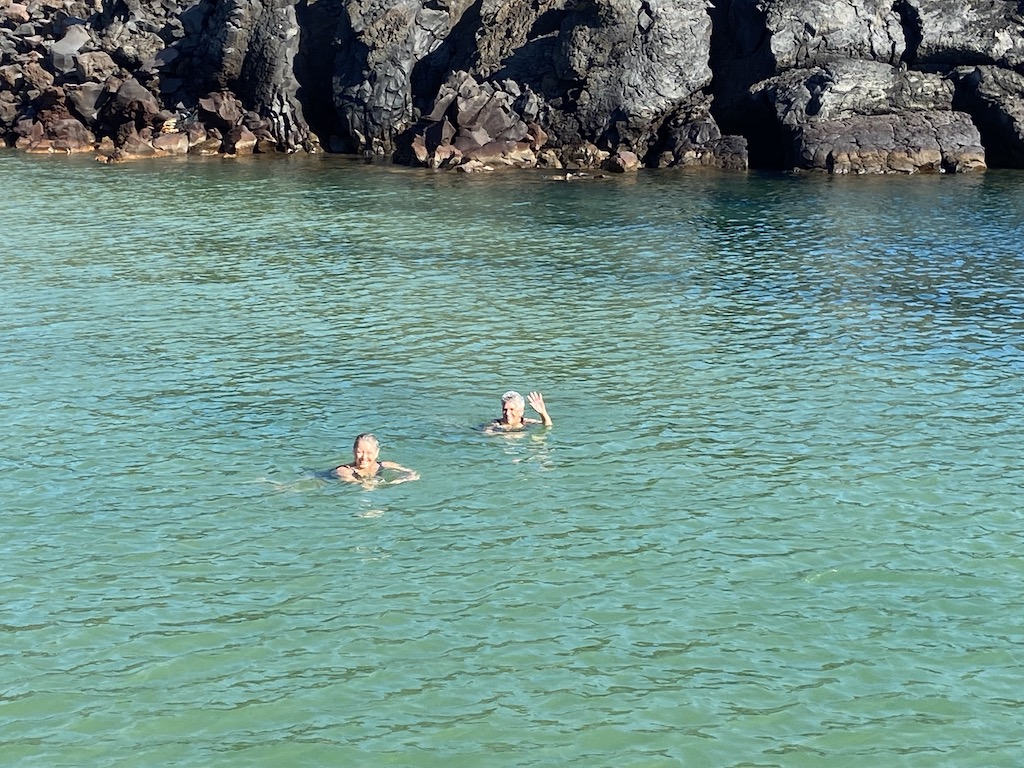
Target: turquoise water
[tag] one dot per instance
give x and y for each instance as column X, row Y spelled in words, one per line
column 777, row 522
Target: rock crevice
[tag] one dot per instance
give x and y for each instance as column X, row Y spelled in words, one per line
column 857, row 86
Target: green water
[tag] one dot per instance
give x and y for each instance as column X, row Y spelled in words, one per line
column 777, row 522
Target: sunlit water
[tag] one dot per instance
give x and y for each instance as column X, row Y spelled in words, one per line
column 777, row 522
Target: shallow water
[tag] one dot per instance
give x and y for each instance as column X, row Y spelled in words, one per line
column 777, row 521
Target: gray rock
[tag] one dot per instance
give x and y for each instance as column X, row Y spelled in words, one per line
column 634, row 62
column 380, row 44
column 960, row 32
column 846, row 88
column 63, row 52
column 268, row 76
column 86, row 99
column 910, row 143
column 808, row 33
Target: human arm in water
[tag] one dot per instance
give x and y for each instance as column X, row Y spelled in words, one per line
column 347, row 473
column 350, row 474
column 407, row 476
column 536, row 401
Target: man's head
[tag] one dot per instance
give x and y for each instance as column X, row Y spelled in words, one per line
column 512, row 406
column 365, row 449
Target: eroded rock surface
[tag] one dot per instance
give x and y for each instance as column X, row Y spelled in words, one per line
column 847, row 86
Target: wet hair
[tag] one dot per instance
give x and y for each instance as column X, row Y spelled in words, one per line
column 513, row 397
column 369, row 437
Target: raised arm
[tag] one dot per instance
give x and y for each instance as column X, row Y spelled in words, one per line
column 536, row 401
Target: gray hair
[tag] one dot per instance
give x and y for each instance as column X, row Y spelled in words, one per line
column 368, row 437
column 513, row 397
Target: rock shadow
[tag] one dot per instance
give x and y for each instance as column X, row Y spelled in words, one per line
column 740, row 56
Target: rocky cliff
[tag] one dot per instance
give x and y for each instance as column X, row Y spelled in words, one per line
column 847, row 86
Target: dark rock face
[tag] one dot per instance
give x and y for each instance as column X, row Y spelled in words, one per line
column 992, row 96
column 845, row 86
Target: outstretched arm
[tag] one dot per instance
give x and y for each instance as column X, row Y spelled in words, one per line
column 407, row 476
column 536, row 401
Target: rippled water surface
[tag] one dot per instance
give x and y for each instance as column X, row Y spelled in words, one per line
column 777, row 522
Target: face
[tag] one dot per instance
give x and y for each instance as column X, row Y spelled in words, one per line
column 511, row 411
column 365, row 452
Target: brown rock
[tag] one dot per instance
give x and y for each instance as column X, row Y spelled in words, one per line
column 197, row 135
column 222, row 110
column 132, row 145
column 29, row 133
column 446, row 156
column 437, row 134
column 36, row 76
column 537, row 135
column 622, row 161
column 239, row 141
column 172, row 143
column 133, row 103
column 16, row 12
column 106, row 147
column 70, row 135
column 521, row 156
column 94, row 65
column 549, row 158
column 587, row 155
column 208, row 146
column 473, row 166
column 471, row 139
column 419, row 150
column 491, row 152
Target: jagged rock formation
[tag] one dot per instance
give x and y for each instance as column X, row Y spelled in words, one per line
column 847, row 86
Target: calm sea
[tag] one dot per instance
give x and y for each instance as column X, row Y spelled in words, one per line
column 778, row 520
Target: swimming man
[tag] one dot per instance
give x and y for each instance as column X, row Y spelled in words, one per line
column 513, row 408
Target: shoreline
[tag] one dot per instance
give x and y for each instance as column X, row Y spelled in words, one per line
column 595, row 87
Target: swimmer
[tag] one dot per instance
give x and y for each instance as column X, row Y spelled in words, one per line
column 365, row 466
column 513, row 408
